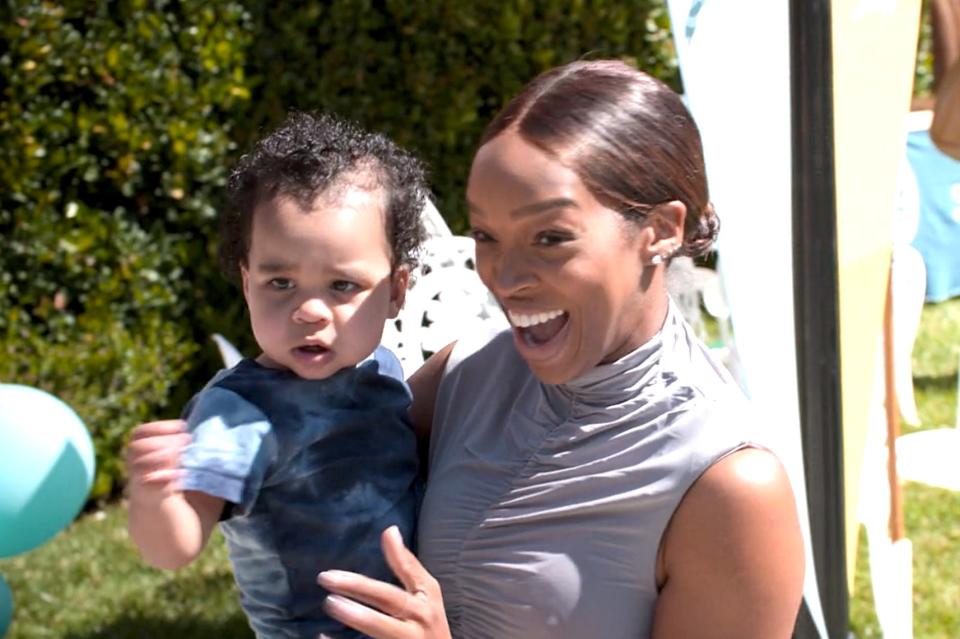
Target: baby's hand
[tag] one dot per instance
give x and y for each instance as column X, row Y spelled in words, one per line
column 153, row 456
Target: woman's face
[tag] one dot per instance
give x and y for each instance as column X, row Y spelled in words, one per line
column 569, row 272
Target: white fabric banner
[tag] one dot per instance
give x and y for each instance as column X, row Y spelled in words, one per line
column 745, row 124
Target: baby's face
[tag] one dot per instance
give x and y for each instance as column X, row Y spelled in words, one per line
column 319, row 284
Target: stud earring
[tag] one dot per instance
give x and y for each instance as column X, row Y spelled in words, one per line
column 656, row 260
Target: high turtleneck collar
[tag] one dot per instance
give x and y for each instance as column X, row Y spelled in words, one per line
column 618, row 381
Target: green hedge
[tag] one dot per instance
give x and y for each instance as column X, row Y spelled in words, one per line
column 432, row 74
column 119, row 122
column 114, row 143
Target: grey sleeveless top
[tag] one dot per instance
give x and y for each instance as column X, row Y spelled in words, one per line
column 545, row 504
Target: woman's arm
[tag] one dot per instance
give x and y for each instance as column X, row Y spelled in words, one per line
column 424, row 384
column 731, row 561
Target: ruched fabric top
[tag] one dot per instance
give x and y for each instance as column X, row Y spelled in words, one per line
column 545, row 504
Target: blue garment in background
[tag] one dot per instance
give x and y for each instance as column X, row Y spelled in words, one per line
column 938, row 232
column 314, row 471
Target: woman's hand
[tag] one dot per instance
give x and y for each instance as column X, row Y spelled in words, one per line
column 412, row 612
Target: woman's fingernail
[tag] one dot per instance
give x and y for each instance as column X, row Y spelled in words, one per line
column 394, row 531
column 330, row 577
column 342, row 604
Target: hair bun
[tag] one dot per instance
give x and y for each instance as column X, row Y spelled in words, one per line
column 700, row 233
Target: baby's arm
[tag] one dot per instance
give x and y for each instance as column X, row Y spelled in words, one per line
column 168, row 525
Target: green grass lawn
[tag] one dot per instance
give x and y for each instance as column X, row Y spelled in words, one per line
column 89, row 583
column 931, row 515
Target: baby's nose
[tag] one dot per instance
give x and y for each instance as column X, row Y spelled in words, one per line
column 311, row 311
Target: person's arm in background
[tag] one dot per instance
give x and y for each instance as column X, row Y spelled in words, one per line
column 731, row 561
column 170, row 527
column 945, row 128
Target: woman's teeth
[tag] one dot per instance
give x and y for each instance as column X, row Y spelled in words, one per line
column 523, row 320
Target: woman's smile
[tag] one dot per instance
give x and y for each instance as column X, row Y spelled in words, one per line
column 537, row 329
column 542, row 341
column 566, row 269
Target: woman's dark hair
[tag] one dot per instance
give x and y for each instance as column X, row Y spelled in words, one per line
column 627, row 135
column 308, row 155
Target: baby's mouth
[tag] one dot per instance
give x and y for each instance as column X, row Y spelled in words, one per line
column 312, row 349
column 538, row 328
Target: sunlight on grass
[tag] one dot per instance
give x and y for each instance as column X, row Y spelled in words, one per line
column 931, row 515
column 89, row 583
column 935, row 362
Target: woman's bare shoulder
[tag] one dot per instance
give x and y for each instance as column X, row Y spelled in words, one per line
column 733, row 552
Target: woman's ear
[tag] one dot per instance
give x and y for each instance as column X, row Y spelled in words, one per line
column 399, row 280
column 665, row 232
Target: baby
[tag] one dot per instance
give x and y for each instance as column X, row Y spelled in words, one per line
column 305, row 453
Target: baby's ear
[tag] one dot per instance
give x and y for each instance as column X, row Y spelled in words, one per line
column 245, row 281
column 399, row 280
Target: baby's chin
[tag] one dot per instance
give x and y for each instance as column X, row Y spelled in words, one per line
column 306, row 363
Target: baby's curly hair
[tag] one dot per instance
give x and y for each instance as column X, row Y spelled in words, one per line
column 307, row 156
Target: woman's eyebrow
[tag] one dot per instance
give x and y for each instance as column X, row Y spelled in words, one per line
column 545, row 205
column 532, row 209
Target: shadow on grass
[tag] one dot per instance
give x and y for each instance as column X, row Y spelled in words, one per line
column 177, row 603
column 138, row 627
column 935, row 382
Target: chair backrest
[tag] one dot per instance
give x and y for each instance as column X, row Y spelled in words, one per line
column 446, row 298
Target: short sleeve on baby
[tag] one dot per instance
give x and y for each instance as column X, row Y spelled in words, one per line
column 231, row 450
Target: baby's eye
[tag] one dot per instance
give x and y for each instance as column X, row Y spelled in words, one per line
column 281, row 284
column 480, row 236
column 343, row 286
column 551, row 238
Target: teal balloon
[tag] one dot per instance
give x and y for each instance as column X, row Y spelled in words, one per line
column 46, row 467
column 6, row 607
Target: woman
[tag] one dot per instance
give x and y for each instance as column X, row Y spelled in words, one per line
column 591, row 471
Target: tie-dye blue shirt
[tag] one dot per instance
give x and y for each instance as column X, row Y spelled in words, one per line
column 313, row 471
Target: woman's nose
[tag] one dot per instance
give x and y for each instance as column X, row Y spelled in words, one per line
column 512, row 273
column 312, row 311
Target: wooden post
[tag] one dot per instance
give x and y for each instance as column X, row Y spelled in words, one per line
column 897, row 531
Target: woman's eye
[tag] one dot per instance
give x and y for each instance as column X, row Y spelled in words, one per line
column 551, row 238
column 343, row 286
column 480, row 236
column 280, row 284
